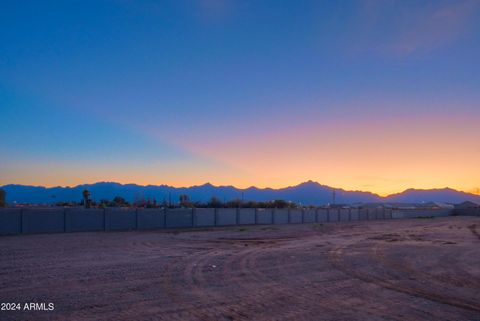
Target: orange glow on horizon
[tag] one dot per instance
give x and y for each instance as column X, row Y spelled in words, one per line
column 383, row 157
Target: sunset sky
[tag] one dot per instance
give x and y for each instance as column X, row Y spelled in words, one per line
column 377, row 96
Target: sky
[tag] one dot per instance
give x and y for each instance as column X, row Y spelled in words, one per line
column 366, row 95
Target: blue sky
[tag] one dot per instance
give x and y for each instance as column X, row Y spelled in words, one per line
column 184, row 92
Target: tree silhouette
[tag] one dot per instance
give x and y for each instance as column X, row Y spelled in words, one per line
column 119, row 201
column 214, row 202
column 184, row 200
column 2, row 198
column 280, row 204
column 86, row 198
column 234, row 203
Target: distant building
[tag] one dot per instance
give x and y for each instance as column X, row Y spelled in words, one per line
column 339, row 206
column 467, row 208
column 439, row 205
column 467, row 205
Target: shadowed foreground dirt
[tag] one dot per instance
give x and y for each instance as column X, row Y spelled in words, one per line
column 420, row 269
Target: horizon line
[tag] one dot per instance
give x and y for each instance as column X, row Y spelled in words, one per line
column 246, row 188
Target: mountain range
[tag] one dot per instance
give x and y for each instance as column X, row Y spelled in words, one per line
column 307, row 193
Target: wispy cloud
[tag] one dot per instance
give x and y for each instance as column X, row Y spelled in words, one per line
column 400, row 28
column 437, row 28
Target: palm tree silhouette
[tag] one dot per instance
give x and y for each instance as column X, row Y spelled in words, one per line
column 86, row 198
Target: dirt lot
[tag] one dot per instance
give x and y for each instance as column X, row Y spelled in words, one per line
column 420, row 269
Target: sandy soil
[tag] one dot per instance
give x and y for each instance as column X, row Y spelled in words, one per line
column 420, row 269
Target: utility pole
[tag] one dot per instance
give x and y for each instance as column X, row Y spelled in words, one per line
column 333, row 197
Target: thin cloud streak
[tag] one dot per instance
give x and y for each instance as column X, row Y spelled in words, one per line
column 439, row 28
column 392, row 29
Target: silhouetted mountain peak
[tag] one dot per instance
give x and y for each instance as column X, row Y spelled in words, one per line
column 207, row 184
column 309, row 192
column 309, row 184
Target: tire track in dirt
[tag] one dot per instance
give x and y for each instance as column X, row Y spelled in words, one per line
column 288, row 274
column 244, row 295
column 314, row 289
column 405, row 269
column 473, row 229
column 397, row 271
column 241, row 283
column 336, row 258
column 299, row 298
column 202, row 276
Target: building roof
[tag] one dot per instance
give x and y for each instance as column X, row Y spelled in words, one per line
column 467, row 204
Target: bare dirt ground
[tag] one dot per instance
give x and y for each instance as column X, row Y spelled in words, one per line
column 419, row 269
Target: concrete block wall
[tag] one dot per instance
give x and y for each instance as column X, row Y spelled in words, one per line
column 406, row 213
column 309, row 215
column 322, row 215
column 51, row 220
column 55, row 220
column 264, row 216
column 380, row 212
column 344, row 215
column 204, row 217
column 467, row 211
column 296, row 216
column 179, row 218
column 280, row 216
column 354, row 214
column 333, row 215
column 120, row 219
column 363, row 214
column 82, row 220
column 10, row 221
column 149, row 219
column 226, row 216
column 388, row 213
column 246, row 216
